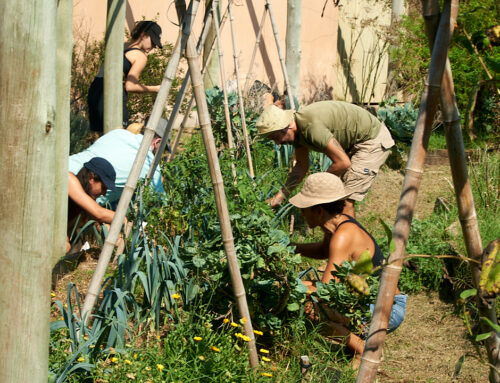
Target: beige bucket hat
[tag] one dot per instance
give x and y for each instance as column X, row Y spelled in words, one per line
column 319, row 188
column 273, row 119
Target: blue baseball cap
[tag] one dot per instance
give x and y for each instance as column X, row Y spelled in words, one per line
column 104, row 170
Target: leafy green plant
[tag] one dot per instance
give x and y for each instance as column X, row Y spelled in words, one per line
column 399, row 119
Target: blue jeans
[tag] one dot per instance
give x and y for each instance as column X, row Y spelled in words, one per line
column 397, row 313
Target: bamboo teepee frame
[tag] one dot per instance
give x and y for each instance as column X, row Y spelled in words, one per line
column 220, row 196
column 114, row 231
column 227, row 115
column 463, row 190
column 414, row 171
column 191, row 102
column 240, row 95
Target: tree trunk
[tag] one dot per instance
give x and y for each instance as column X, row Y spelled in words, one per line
column 27, row 152
column 293, row 43
column 63, row 78
column 113, row 66
column 397, row 11
column 211, row 78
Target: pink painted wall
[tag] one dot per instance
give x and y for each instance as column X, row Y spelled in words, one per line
column 321, row 72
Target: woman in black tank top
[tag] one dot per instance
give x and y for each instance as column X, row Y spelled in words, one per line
column 144, row 37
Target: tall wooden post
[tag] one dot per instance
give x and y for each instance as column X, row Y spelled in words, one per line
column 113, row 65
column 27, row 152
column 413, row 176
column 293, row 43
column 63, row 78
column 463, row 190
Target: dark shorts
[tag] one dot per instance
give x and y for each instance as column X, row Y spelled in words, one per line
column 95, row 100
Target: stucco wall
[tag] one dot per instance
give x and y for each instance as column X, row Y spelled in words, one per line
column 322, row 72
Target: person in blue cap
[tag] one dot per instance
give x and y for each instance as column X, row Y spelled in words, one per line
column 145, row 36
column 92, row 181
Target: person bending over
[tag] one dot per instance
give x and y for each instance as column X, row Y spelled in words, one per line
column 357, row 143
column 322, row 200
column 92, row 181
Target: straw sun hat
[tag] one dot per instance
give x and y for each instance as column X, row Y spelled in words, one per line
column 273, row 119
column 319, row 188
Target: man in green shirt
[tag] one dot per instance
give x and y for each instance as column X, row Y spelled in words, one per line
column 357, row 143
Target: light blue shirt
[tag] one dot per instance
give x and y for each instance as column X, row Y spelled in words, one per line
column 120, row 148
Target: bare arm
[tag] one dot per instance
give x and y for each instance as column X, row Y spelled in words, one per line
column 138, row 60
column 295, row 176
column 318, row 250
column 82, row 199
column 339, row 157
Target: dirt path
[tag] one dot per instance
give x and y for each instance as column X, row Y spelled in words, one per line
column 428, row 345
column 431, row 340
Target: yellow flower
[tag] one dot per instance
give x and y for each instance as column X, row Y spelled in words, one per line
column 197, row 338
column 201, row 357
column 135, row 356
column 128, row 362
column 158, row 337
column 246, row 338
column 160, row 367
column 264, row 351
column 52, row 295
column 215, row 349
column 234, row 324
column 81, row 359
column 114, row 359
column 257, row 332
column 226, row 320
column 238, row 335
column 267, row 374
column 243, row 320
column 265, row 359
column 176, row 296
column 92, row 346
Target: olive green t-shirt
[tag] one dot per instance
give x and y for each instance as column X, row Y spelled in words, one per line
column 350, row 124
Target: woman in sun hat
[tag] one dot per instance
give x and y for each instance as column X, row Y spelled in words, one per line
column 322, row 200
column 144, row 37
column 92, row 181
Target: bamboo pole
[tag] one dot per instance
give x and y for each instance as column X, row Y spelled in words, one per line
column 191, row 102
column 113, row 65
column 293, row 43
column 462, row 186
column 220, row 196
column 240, row 95
column 413, row 176
column 224, row 92
column 64, row 52
column 280, row 54
column 254, row 53
column 114, row 231
column 28, row 156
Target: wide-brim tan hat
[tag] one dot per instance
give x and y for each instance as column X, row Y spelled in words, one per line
column 273, row 119
column 319, row 188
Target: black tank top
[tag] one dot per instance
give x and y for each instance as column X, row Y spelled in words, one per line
column 126, row 64
column 378, row 256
